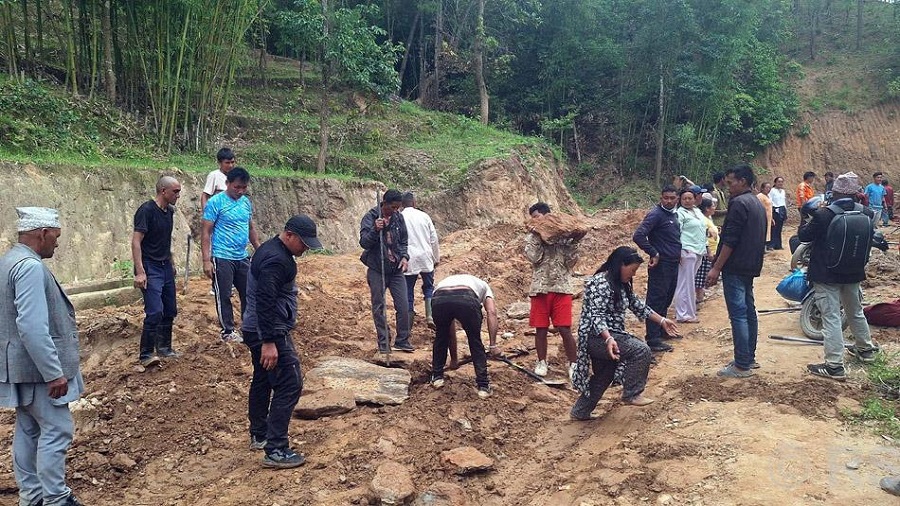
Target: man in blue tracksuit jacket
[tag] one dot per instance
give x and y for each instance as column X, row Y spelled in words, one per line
column 660, row 237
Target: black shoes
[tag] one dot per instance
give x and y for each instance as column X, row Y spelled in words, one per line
column 283, row 458
column 660, row 347
column 827, row 371
column 404, row 347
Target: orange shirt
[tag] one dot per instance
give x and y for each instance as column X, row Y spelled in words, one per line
column 804, row 193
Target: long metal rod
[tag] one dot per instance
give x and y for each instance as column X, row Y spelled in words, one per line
column 387, row 335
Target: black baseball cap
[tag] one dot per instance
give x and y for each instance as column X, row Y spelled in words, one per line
column 305, row 228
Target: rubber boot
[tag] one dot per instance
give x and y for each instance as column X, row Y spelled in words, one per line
column 164, row 342
column 429, row 319
column 148, row 344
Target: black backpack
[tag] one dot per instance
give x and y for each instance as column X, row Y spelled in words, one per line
column 848, row 240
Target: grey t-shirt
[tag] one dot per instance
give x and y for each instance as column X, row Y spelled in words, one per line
column 481, row 289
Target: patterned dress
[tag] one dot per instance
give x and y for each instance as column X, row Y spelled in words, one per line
column 599, row 313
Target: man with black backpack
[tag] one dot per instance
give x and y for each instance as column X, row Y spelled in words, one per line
column 841, row 237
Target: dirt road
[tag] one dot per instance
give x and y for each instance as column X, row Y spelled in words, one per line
column 178, row 435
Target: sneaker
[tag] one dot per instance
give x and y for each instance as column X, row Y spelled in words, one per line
column 660, row 347
column 582, row 419
column 150, row 361
column 733, row 371
column 639, row 400
column 70, row 501
column 571, row 371
column 827, row 371
column 484, row 392
column 404, row 347
column 232, row 337
column 864, row 356
column 168, row 353
column 257, row 443
column 754, row 365
column 437, row 382
column 283, row 458
column 541, row 368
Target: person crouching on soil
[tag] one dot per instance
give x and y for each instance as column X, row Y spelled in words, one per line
column 602, row 340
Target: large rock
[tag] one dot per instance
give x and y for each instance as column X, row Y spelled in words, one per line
column 327, row 402
column 467, row 460
column 518, row 310
column 441, row 493
column 557, row 227
column 370, row 383
column 392, row 483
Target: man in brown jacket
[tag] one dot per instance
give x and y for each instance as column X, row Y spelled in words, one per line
column 551, row 291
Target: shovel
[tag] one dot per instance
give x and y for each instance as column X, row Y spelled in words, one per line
column 550, row 383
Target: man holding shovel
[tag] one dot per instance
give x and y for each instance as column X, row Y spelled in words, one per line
column 382, row 234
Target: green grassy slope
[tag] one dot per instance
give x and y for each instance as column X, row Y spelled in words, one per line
column 272, row 125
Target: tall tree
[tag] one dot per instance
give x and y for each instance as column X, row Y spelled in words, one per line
column 479, row 65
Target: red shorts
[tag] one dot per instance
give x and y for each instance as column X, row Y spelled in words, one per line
column 551, row 306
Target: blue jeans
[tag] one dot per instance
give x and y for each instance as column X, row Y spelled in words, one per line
column 427, row 286
column 738, row 291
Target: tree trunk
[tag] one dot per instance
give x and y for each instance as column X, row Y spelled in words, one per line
column 108, row 70
column 859, row 23
column 479, row 64
column 323, row 109
column 26, row 35
column 409, row 39
column 438, row 43
column 39, row 25
column 71, row 73
column 660, row 130
column 423, row 98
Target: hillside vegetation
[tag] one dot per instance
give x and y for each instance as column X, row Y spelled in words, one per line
column 627, row 92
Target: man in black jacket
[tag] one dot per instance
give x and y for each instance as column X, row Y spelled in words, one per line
column 836, row 287
column 382, row 234
column 742, row 245
column 267, row 322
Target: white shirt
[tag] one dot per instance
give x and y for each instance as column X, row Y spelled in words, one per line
column 777, row 197
column 215, row 183
column 481, row 289
column 422, row 242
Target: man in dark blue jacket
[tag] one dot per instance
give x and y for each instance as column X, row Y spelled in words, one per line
column 660, row 237
column 835, row 287
column 267, row 323
column 742, row 245
column 383, row 236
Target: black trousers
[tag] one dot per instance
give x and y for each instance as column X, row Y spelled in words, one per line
column 779, row 215
column 661, row 281
column 273, row 394
column 228, row 273
column 463, row 306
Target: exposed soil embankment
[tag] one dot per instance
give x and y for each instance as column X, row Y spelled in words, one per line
column 97, row 206
column 864, row 142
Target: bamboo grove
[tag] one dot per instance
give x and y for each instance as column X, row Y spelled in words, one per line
column 172, row 61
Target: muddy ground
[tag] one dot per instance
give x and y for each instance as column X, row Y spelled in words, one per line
column 177, row 435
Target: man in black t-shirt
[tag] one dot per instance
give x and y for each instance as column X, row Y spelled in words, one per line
column 154, row 271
